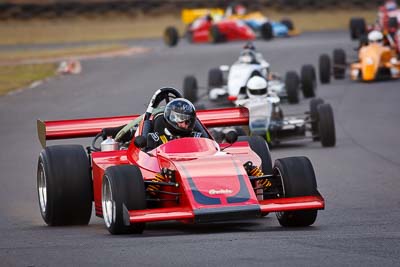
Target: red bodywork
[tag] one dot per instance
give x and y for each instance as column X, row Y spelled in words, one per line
column 231, row 30
column 212, row 184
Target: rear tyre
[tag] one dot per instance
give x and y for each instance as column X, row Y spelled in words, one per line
column 324, row 69
column 308, row 80
column 393, row 24
column 64, row 185
column 357, row 27
column 122, row 190
column 292, row 82
column 190, row 88
column 266, row 31
column 171, row 36
column 314, row 103
column 298, row 179
column 288, row 23
column 326, row 125
column 339, row 63
column 260, row 146
column 215, row 80
column 215, row 35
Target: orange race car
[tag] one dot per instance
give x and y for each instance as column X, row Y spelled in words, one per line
column 377, row 60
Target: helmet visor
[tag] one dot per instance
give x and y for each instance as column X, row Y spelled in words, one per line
column 179, row 117
column 258, row 91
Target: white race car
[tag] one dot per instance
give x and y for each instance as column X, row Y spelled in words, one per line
column 268, row 121
column 230, row 82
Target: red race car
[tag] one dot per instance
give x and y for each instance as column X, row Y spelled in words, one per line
column 207, row 29
column 189, row 179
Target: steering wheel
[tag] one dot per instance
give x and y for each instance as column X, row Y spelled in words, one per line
column 165, row 93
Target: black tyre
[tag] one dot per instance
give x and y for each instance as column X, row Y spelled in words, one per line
column 339, row 63
column 324, row 69
column 393, row 24
column 314, row 103
column 260, row 146
column 298, row 179
column 292, row 82
column 215, row 35
column 215, row 78
column 357, row 27
column 363, row 40
column 190, row 88
column 288, row 23
column 326, row 125
column 266, row 31
column 122, row 190
column 308, row 80
column 171, row 36
column 64, row 185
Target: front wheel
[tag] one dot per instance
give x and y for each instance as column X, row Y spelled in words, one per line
column 298, row 179
column 171, row 36
column 122, row 190
column 324, row 65
column 326, row 125
column 339, row 63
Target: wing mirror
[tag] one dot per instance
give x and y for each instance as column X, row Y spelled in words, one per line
column 231, row 137
column 140, row 141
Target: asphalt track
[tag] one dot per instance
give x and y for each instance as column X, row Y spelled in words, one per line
column 359, row 178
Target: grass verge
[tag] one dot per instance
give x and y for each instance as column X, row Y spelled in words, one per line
column 17, row 76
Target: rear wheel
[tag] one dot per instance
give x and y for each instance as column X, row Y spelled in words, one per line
column 326, row 125
column 357, row 27
column 324, row 69
column 393, row 24
column 260, row 146
column 215, row 35
column 314, row 103
column 64, row 185
column 298, row 179
column 266, row 31
column 308, row 80
column 339, row 63
column 288, row 23
column 122, row 190
column 292, row 82
column 171, row 36
column 190, row 88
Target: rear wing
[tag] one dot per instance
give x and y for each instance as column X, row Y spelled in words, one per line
column 78, row 128
column 190, row 14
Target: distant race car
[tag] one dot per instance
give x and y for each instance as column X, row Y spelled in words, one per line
column 210, row 28
column 388, row 20
column 230, row 82
column 215, row 26
column 376, row 61
column 266, row 119
column 192, row 180
column 261, row 25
